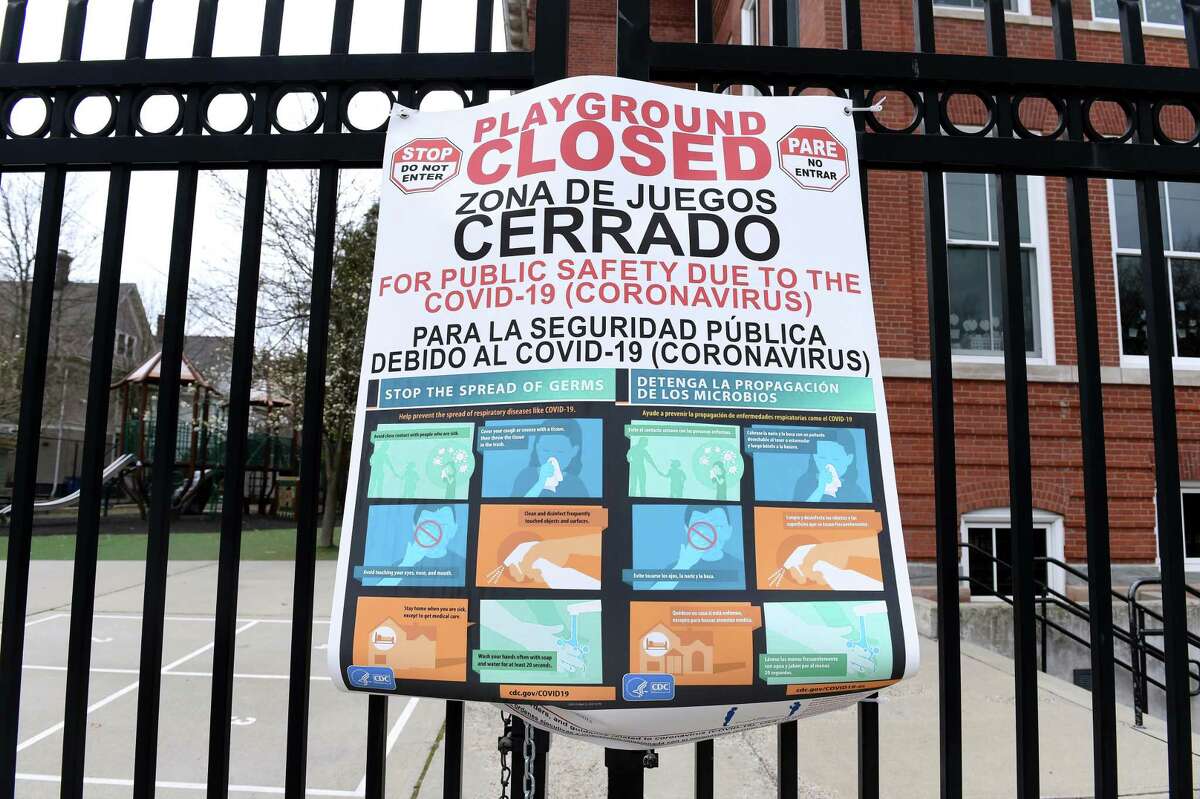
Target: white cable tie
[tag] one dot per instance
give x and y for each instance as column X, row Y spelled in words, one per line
column 866, row 109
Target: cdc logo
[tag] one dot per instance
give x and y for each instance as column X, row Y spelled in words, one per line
column 648, row 687
column 378, row 678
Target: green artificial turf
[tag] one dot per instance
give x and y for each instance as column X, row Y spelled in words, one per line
column 256, row 545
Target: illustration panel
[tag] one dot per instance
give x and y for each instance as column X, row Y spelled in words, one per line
column 419, row 639
column 542, row 458
column 414, row 544
column 539, row 641
column 421, row 461
column 809, row 464
column 699, row 643
column 674, row 460
column 826, row 642
column 818, row 549
column 687, row 547
column 540, row 546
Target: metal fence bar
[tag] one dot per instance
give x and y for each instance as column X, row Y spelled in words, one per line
column 626, row 775
column 703, row 779
column 21, row 528
column 868, row 749
column 945, row 480
column 1020, row 480
column 108, row 292
column 868, row 711
column 145, row 763
column 1160, row 330
column 376, row 771
column 410, row 42
column 787, row 760
column 452, row 751
column 1091, row 420
column 237, row 427
column 41, row 297
column 310, row 439
column 633, row 39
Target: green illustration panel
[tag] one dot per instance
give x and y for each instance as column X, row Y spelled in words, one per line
column 817, row 642
column 421, row 461
column 679, row 460
column 539, row 641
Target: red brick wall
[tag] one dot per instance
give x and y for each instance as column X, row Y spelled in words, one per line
column 898, row 276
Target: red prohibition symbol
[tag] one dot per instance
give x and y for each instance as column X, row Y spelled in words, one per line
column 702, row 536
column 428, row 534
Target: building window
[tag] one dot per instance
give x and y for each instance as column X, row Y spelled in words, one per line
column 973, row 249
column 1009, row 5
column 1190, row 495
column 1181, row 240
column 987, row 554
column 125, row 344
column 749, row 35
column 750, row 22
column 1160, row 12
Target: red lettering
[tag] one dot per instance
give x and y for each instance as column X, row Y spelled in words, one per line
column 525, row 163
column 475, row 170
column 685, row 156
column 639, row 140
column 760, row 158
column 570, row 146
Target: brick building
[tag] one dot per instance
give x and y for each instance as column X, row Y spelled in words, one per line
column 898, row 276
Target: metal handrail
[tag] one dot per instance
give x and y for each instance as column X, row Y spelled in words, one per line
column 1135, row 637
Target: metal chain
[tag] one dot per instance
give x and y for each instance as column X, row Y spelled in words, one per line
column 504, row 745
column 530, row 755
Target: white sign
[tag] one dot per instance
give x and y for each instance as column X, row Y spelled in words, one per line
column 622, row 456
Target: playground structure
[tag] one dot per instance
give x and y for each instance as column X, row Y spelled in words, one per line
column 198, row 467
column 113, row 473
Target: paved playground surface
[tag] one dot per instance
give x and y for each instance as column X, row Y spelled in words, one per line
column 744, row 762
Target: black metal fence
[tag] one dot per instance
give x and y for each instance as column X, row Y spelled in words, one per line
column 931, row 144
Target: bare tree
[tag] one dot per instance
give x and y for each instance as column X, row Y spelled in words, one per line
column 285, row 284
column 20, row 209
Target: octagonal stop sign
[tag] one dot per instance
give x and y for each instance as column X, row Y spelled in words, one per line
column 814, row 158
column 424, row 164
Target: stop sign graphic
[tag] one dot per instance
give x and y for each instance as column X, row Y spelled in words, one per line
column 424, row 164
column 814, row 158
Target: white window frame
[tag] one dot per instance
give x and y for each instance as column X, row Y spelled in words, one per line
column 1039, row 238
column 1023, row 7
column 1143, row 361
column 748, row 34
column 749, row 22
column 1052, row 523
column 1191, row 564
column 1166, row 26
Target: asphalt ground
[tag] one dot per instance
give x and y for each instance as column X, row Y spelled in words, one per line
column 745, row 762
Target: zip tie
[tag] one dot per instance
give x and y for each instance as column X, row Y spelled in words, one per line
column 404, row 112
column 866, row 109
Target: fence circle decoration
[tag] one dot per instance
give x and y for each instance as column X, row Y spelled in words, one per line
column 20, row 112
column 155, row 103
column 84, row 109
column 298, row 94
column 223, row 104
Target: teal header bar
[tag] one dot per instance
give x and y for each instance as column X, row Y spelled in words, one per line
column 499, row 388
column 751, row 390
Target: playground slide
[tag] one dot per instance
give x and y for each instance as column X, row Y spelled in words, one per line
column 113, row 471
column 192, row 496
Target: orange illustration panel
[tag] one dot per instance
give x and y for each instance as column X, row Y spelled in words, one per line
column 420, row 639
column 818, row 549
column 700, row 643
column 540, row 546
